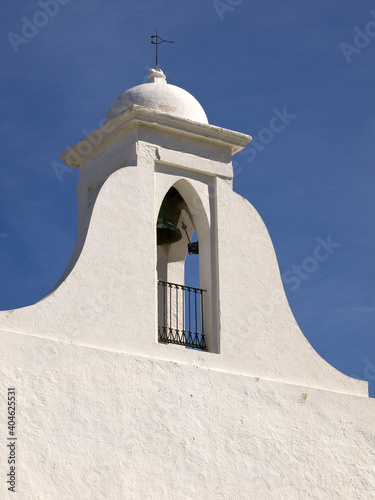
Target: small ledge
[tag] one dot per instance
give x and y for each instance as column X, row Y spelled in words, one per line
column 90, row 146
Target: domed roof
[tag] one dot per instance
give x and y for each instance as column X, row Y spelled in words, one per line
column 159, row 95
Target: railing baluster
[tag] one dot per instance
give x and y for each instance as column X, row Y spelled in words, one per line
column 203, row 340
column 165, row 311
column 183, row 317
column 170, row 307
column 189, row 313
column 177, row 323
column 196, row 324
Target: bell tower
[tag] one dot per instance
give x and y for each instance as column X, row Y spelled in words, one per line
column 153, row 174
column 157, row 136
column 185, row 386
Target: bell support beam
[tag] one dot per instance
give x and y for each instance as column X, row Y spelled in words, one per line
column 194, row 163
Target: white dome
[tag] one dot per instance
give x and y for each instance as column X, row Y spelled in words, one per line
column 159, row 95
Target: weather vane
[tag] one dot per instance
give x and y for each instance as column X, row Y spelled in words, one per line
column 156, row 40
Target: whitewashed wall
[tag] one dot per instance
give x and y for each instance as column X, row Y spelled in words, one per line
column 96, row 424
column 104, row 411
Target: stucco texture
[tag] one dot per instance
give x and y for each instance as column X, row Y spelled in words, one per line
column 104, row 411
column 94, row 424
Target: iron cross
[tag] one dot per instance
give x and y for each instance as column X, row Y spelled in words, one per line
column 157, row 40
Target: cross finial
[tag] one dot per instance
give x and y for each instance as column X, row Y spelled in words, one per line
column 157, row 40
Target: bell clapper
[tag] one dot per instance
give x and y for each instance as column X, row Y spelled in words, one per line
column 193, row 248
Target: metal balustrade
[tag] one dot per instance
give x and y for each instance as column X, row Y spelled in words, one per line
column 181, row 315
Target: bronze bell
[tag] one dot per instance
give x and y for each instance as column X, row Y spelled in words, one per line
column 166, row 228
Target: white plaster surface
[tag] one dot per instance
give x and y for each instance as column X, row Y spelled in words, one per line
column 95, row 424
column 105, row 411
column 108, row 300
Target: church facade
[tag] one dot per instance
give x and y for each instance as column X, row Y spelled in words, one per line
column 134, row 383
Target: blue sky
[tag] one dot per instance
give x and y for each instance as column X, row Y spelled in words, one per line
column 246, row 62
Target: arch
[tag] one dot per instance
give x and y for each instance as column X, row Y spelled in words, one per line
column 195, row 214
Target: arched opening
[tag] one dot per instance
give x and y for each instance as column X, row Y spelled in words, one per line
column 180, row 295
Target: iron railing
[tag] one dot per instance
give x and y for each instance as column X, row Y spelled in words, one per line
column 181, row 315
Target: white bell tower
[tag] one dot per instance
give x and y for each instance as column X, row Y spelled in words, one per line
column 119, row 290
column 147, row 385
column 155, row 140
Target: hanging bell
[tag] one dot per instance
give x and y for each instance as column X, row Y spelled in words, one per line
column 166, row 228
